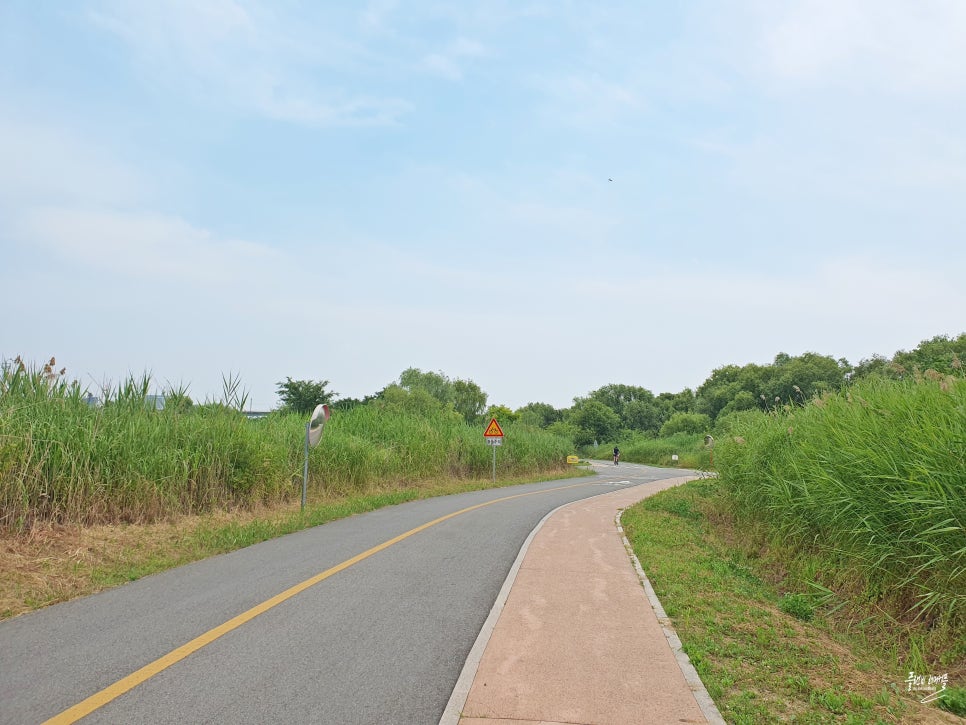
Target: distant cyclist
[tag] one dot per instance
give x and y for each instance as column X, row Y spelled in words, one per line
column 617, row 454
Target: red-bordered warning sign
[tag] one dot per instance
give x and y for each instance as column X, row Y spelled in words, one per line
column 493, row 430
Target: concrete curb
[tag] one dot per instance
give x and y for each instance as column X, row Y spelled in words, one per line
column 708, row 708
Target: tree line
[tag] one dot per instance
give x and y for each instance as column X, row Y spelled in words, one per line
column 616, row 411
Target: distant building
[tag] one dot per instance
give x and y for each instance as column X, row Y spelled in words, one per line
column 154, row 402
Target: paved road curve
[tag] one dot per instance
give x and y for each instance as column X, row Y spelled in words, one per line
column 381, row 640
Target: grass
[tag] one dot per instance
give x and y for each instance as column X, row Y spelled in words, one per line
column 766, row 649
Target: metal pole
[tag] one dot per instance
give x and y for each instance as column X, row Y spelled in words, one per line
column 305, row 471
column 494, row 463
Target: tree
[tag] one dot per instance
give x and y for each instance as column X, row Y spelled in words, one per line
column 798, row 379
column 686, row 423
column 723, row 384
column 418, row 400
column 682, row 402
column 301, row 396
column 642, row 415
column 743, row 400
column 436, row 384
column 501, row 413
column 540, row 415
column 595, row 420
column 469, row 400
column 462, row 396
column 942, row 354
column 616, row 396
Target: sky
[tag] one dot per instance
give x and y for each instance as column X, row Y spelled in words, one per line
column 540, row 196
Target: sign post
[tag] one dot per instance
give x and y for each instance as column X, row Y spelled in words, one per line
column 493, row 435
column 313, row 434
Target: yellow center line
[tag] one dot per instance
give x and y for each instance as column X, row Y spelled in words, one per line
column 112, row 692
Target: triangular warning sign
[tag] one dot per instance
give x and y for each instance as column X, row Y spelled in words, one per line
column 493, row 430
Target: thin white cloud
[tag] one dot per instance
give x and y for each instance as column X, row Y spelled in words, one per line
column 376, row 15
column 245, row 56
column 441, row 65
column 146, row 245
column 55, row 164
column 889, row 45
column 448, row 63
column 589, row 99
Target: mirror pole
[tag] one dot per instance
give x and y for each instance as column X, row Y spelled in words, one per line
column 305, row 471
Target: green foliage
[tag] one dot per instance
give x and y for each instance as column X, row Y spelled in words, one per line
column 565, row 430
column 469, row 400
column 301, row 396
column 594, row 421
column 415, row 401
column 346, row 404
column 682, row 402
column 691, row 423
column 642, row 415
column 463, row 396
column 954, row 700
column 797, row 605
column 64, row 460
column 636, row 407
column 435, row 384
column 788, row 380
column 941, row 353
column 869, row 479
column 540, row 415
column 743, row 400
column 502, row 414
column 617, row 396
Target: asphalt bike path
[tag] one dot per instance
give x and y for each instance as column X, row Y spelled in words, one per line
column 364, row 620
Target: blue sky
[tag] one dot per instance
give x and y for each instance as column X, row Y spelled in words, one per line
column 340, row 191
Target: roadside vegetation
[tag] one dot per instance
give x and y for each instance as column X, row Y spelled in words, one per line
column 769, row 647
column 63, row 460
column 825, row 563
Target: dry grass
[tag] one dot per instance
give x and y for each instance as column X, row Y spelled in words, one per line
column 53, row 563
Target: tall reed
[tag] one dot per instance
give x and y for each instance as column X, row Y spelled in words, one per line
column 872, row 478
column 64, row 460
